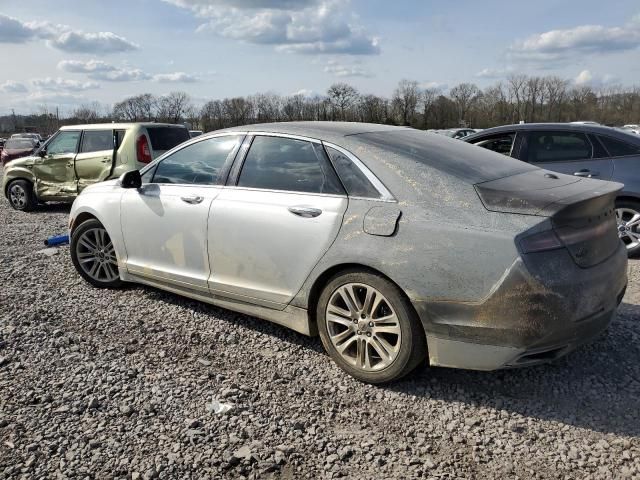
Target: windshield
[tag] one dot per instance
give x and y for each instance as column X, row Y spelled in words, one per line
column 19, row 144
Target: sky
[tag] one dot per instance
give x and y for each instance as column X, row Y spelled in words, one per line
column 72, row 52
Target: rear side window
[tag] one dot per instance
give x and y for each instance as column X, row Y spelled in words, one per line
column 558, row 147
column 165, row 138
column 502, row 143
column 197, row 164
column 96, row 141
column 618, row 148
column 353, row 179
column 276, row 163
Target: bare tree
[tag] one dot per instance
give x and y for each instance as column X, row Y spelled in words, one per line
column 405, row 100
column 464, row 95
column 172, row 107
column 342, row 96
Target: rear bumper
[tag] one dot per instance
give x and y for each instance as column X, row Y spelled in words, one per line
column 543, row 307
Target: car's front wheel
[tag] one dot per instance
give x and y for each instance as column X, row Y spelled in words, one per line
column 21, row 196
column 94, row 256
column 369, row 328
column 628, row 219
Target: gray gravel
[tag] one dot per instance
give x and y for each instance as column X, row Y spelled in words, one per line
column 143, row 384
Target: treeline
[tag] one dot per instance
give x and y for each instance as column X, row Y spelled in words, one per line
column 518, row 98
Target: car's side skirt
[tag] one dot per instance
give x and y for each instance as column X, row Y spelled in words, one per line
column 291, row 317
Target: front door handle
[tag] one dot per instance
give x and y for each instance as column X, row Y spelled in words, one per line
column 305, row 212
column 192, row 199
column 586, row 173
column 106, row 160
column 69, row 164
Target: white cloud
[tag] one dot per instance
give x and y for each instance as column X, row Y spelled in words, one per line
column 95, row 43
column 175, row 77
column 62, row 37
column 90, row 66
column 558, row 45
column 586, row 78
column 13, row 87
column 494, row 72
column 341, row 70
column 124, row 74
column 306, row 27
column 61, row 84
column 434, row 86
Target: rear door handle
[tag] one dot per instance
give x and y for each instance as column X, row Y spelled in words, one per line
column 106, row 160
column 586, row 173
column 192, row 199
column 305, row 212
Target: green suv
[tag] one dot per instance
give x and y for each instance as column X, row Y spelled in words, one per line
column 79, row 155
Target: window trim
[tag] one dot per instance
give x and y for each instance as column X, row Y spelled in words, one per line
column 527, row 144
column 243, row 151
column 385, row 194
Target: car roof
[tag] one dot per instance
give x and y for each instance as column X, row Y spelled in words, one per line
column 125, row 125
column 327, row 131
column 570, row 127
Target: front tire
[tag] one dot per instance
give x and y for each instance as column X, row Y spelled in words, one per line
column 369, row 328
column 21, row 196
column 94, row 256
column 628, row 219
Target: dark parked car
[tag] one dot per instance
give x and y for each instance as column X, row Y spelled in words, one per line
column 18, row 147
column 582, row 150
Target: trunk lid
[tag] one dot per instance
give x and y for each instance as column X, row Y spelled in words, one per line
column 581, row 210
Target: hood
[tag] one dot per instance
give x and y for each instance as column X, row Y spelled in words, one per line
column 22, row 161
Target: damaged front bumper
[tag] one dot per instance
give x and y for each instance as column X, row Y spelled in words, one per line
column 543, row 308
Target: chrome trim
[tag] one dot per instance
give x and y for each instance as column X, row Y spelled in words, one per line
column 290, row 192
column 285, row 135
column 385, row 194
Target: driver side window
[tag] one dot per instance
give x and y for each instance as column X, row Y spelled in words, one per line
column 64, row 142
column 197, row 164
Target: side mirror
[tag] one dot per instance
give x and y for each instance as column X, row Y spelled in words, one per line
column 42, row 152
column 131, row 179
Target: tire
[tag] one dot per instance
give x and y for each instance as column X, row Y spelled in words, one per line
column 357, row 337
column 626, row 210
column 93, row 255
column 21, row 196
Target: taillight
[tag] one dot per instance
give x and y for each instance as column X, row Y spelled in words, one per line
column 143, row 150
column 540, row 242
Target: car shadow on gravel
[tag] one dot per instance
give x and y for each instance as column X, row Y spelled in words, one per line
column 52, row 208
column 596, row 387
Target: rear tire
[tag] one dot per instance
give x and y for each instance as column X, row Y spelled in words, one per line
column 21, row 196
column 94, row 256
column 628, row 217
column 369, row 328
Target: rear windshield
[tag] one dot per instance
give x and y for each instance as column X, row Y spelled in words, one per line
column 19, row 143
column 165, row 138
column 467, row 162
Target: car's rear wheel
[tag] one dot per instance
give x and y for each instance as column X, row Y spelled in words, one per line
column 94, row 256
column 628, row 219
column 21, row 196
column 369, row 328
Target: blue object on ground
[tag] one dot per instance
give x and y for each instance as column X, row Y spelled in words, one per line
column 56, row 240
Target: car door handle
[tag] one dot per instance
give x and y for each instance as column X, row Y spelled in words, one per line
column 69, row 164
column 106, row 160
column 305, row 212
column 192, row 199
column 586, row 173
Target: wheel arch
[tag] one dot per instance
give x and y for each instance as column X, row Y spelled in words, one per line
column 321, row 281
column 80, row 219
column 628, row 198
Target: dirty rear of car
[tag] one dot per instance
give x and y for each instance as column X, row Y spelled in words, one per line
column 505, row 264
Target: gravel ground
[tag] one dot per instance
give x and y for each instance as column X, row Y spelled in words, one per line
column 130, row 384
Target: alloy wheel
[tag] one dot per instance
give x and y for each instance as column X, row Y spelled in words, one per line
column 363, row 327
column 18, row 196
column 96, row 255
column 628, row 221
